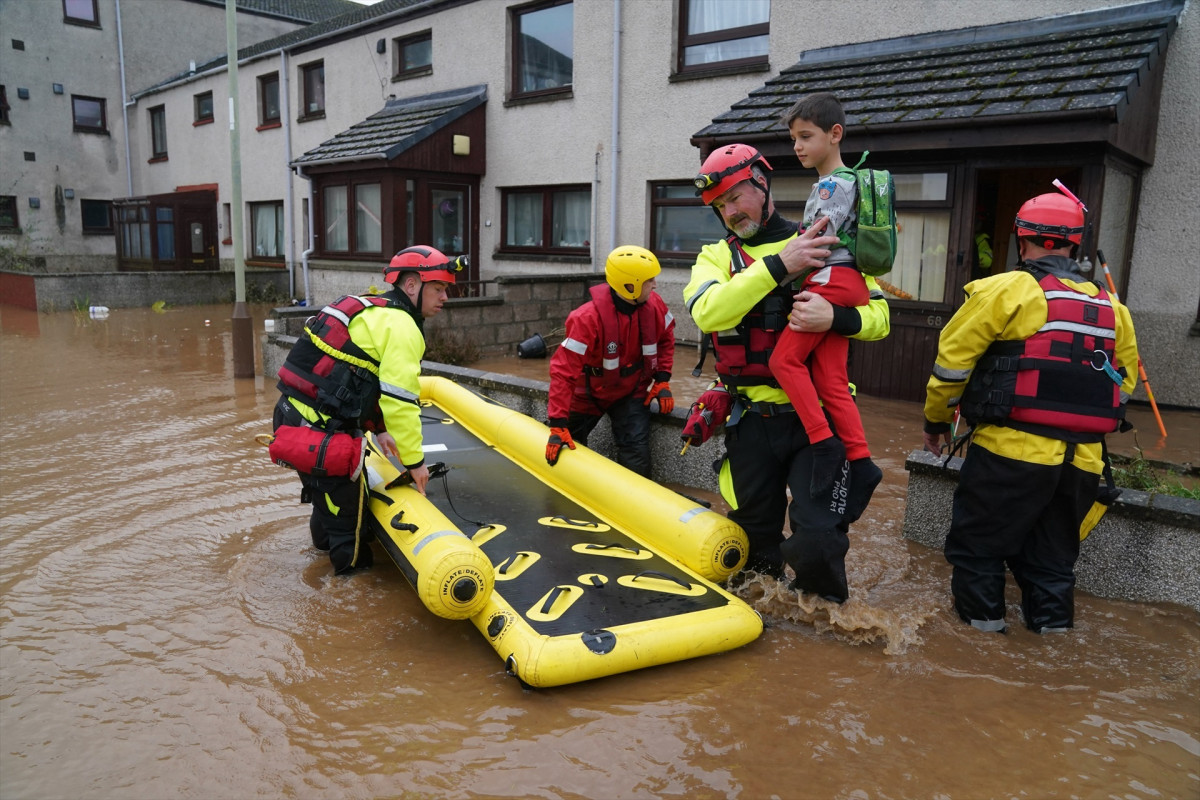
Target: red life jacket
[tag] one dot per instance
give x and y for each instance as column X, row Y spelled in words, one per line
column 744, row 352
column 1054, row 383
column 622, row 359
column 329, row 372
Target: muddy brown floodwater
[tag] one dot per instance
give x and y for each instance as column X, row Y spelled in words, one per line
column 168, row 631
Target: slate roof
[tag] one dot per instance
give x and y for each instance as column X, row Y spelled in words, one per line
column 1089, row 63
column 358, row 16
column 399, row 126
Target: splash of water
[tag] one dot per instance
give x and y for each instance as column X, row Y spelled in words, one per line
column 854, row 621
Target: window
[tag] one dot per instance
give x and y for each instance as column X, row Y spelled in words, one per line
column 923, row 223
column 89, row 114
column 543, row 49
column 164, row 232
column 723, row 33
column 312, row 80
column 268, row 99
column 363, row 218
column 158, row 133
column 368, row 227
column 335, row 222
column 4, row 107
column 266, row 229
column 680, row 223
column 204, row 108
column 97, row 216
column 134, row 235
column 9, row 222
column 81, row 12
column 414, row 55
column 549, row 219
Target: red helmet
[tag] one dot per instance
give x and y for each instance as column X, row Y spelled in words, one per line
column 1053, row 220
column 726, row 167
column 430, row 264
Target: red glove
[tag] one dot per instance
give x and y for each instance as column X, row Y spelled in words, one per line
column 558, row 438
column 661, row 390
column 710, row 410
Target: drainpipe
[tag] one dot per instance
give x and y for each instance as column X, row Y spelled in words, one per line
column 312, row 236
column 615, row 150
column 288, row 200
column 125, row 103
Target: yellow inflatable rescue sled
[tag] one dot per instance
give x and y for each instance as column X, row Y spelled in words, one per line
column 597, row 570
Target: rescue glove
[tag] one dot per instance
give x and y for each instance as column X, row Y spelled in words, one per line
column 710, row 410
column 662, row 390
column 558, row 438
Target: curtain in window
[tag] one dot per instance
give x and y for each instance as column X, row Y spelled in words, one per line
column 336, row 223
column 266, row 220
column 524, row 220
column 571, row 215
column 368, row 227
column 708, row 16
column 920, row 268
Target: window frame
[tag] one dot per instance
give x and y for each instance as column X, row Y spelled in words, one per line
column 657, row 203
column 400, row 44
column 4, row 106
column 95, row 230
column 264, row 121
column 684, row 40
column 158, row 124
column 547, row 191
column 514, row 45
column 349, row 184
column 197, row 99
column 279, row 234
column 305, row 100
column 946, row 204
column 103, row 104
column 94, row 22
column 11, row 201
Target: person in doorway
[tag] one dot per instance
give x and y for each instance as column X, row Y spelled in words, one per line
column 616, row 359
column 739, row 295
column 816, row 124
column 1040, row 362
column 357, row 368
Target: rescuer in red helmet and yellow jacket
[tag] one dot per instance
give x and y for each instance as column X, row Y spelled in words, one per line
column 357, row 368
column 1040, row 361
column 616, row 359
column 741, row 298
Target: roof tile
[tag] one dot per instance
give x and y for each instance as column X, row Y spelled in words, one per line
column 1092, row 60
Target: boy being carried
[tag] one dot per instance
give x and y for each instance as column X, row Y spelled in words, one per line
column 816, row 124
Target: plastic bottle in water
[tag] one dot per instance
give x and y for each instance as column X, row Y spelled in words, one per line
column 98, row 312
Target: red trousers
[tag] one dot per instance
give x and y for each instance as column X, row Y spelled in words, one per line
column 826, row 382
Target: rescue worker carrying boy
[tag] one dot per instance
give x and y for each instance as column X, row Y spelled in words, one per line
column 357, row 368
column 1040, row 362
column 741, row 294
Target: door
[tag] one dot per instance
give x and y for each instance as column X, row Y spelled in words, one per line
column 196, row 241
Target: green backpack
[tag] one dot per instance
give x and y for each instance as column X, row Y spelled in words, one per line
column 874, row 246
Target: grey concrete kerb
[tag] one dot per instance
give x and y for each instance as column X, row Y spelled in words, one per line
column 1146, row 548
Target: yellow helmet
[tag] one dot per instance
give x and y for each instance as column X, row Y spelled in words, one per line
column 627, row 268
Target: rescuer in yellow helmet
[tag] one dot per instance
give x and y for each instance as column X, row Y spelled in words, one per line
column 616, row 359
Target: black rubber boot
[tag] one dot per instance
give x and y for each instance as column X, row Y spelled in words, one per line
column 865, row 476
column 829, row 456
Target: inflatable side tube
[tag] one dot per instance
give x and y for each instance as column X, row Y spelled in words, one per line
column 451, row 575
column 542, row 660
column 700, row 539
